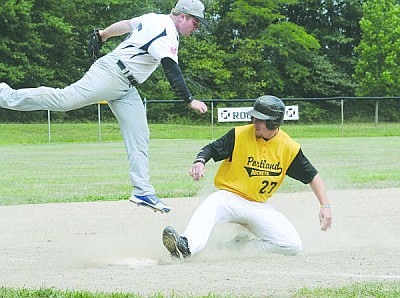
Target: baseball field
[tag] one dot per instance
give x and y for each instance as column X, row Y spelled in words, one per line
column 67, row 229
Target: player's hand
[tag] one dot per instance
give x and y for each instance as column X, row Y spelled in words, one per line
column 198, row 105
column 325, row 218
column 101, row 33
column 197, row 171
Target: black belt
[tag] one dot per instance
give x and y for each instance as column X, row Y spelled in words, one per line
column 127, row 74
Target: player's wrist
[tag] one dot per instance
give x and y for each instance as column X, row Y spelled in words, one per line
column 199, row 159
column 325, row 206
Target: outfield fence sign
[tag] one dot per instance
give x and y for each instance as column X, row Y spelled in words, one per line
column 240, row 114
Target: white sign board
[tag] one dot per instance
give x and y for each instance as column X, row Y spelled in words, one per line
column 240, row 114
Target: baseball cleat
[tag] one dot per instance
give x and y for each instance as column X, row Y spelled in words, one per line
column 176, row 245
column 150, row 201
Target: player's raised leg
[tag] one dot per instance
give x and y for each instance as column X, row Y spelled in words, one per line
column 131, row 116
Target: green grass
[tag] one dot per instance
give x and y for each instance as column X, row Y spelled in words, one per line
column 66, row 172
column 88, row 171
column 371, row 289
column 366, row 289
column 54, row 293
column 89, row 132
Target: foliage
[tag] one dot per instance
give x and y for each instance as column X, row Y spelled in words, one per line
column 378, row 68
column 269, row 54
column 335, row 25
column 288, row 48
column 20, row 43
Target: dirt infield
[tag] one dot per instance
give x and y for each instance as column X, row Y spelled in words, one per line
column 116, row 246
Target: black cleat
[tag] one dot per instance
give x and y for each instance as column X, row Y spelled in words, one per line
column 175, row 244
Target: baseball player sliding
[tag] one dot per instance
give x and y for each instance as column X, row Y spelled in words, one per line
column 153, row 40
column 256, row 158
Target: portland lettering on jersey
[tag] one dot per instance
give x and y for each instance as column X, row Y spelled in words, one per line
column 262, row 168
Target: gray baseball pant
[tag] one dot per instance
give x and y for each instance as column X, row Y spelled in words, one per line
column 103, row 81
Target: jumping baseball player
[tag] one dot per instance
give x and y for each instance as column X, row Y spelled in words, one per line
column 256, row 158
column 153, row 40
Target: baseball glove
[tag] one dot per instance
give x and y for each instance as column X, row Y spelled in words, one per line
column 94, row 45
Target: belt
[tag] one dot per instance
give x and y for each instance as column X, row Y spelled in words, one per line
column 127, row 74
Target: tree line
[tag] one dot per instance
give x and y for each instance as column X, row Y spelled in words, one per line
column 288, row 48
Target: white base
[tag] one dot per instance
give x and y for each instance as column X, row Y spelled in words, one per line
column 135, row 262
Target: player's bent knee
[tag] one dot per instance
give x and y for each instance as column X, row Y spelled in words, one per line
column 294, row 248
column 289, row 248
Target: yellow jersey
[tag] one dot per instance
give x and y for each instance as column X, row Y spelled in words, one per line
column 258, row 166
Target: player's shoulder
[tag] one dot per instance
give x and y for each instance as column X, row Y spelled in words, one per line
column 155, row 18
column 150, row 15
column 154, row 23
column 282, row 136
column 243, row 127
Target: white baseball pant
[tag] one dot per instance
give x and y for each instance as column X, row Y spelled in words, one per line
column 274, row 232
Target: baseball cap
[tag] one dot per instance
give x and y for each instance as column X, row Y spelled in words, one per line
column 193, row 7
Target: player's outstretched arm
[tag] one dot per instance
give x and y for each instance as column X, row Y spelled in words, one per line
column 116, row 29
column 325, row 212
column 175, row 78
